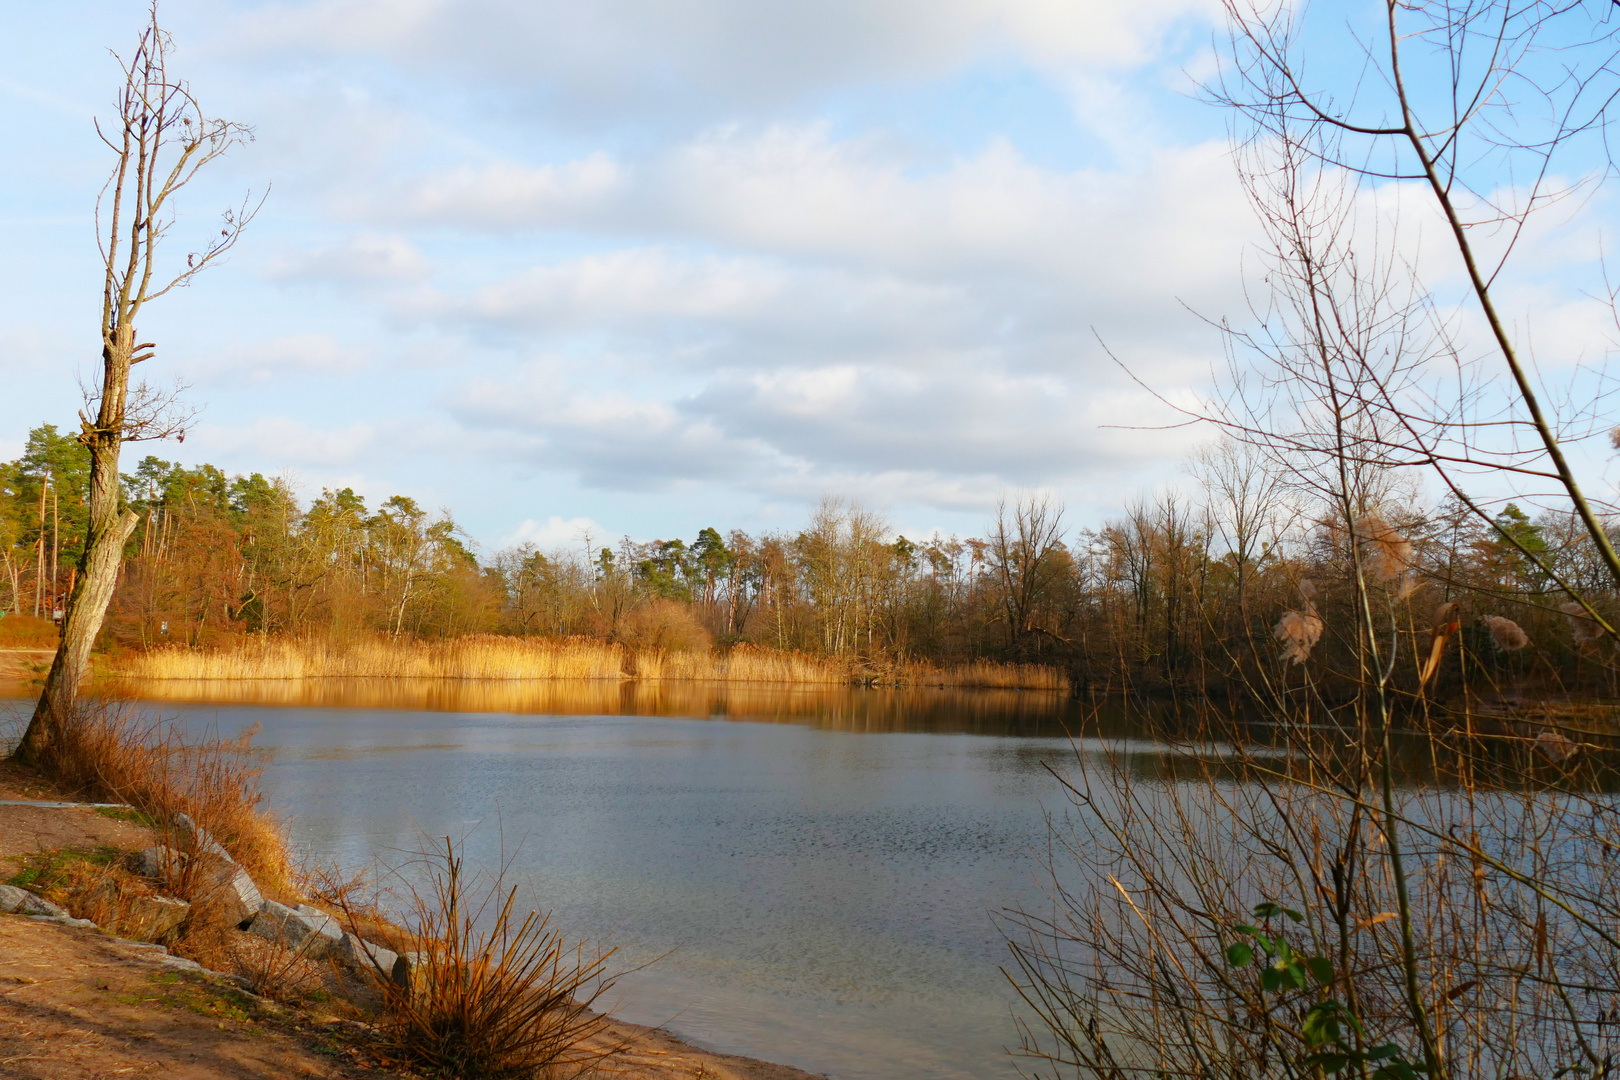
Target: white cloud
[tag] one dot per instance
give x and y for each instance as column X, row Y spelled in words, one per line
column 278, row 358
column 554, row 533
column 615, row 55
column 503, row 195
column 283, row 439
column 794, row 190
column 358, row 259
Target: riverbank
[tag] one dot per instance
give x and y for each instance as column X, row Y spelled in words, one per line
column 497, row 658
column 77, row 1002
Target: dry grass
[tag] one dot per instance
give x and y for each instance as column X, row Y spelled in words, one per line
column 91, row 883
column 742, row 663
column 512, row 1000
column 473, row 657
column 986, row 674
column 107, row 751
column 27, row 632
column 512, row 659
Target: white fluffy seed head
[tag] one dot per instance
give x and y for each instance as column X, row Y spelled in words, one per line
column 1508, row 635
column 1299, row 631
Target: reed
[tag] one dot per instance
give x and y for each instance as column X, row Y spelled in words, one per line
column 492, row 658
column 474, row 657
column 988, row 675
column 495, row 993
column 743, row 663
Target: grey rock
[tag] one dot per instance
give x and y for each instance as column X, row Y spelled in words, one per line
column 219, row 876
column 181, row 963
column 366, row 956
column 15, row 901
column 161, row 864
column 151, row 917
column 201, row 842
column 241, row 897
column 65, row 920
column 408, row 969
column 314, row 936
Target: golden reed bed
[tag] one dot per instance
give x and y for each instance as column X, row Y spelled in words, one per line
column 490, row 657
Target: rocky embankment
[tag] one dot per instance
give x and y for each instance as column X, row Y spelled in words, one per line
column 81, row 998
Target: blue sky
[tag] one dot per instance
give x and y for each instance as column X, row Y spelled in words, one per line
column 644, row 266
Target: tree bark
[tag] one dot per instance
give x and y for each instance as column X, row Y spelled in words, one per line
column 110, row 527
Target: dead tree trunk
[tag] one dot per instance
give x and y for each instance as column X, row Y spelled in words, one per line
column 160, row 141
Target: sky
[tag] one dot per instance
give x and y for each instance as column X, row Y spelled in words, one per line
column 638, row 267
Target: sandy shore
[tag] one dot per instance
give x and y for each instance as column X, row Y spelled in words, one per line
column 77, row 1003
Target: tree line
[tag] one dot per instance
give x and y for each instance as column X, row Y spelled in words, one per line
column 1215, row 586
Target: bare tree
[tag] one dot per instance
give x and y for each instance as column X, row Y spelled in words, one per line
column 1022, row 545
column 1487, row 107
column 160, row 140
column 1246, row 506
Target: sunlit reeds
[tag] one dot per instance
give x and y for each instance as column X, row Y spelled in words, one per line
column 743, row 663
column 480, row 657
column 491, row 658
column 987, row 675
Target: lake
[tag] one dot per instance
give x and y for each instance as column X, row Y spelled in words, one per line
column 810, row 876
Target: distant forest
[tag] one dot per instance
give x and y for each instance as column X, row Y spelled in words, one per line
column 1231, row 585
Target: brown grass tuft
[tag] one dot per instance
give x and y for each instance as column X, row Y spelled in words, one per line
column 107, row 751
column 507, row 1002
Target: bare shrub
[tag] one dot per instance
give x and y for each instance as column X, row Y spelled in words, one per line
column 667, row 626
column 493, row 994
column 108, row 751
column 1495, row 914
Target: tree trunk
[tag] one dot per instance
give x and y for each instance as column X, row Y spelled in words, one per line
column 110, row 527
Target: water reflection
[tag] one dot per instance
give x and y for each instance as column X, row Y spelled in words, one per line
column 827, row 893
column 970, row 712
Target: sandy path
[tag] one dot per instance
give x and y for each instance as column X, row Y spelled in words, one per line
column 76, row 1003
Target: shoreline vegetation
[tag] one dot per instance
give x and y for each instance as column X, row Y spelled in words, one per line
column 497, row 658
column 527, row 1003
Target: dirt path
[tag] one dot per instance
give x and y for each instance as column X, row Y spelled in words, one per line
column 77, row 1004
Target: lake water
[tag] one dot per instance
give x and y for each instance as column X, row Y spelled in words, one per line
column 813, row 873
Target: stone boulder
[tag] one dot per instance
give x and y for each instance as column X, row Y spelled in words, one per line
column 408, row 970
column 234, row 889
column 149, row 918
column 201, row 842
column 366, row 957
column 15, row 901
column 162, row 864
column 218, row 877
column 310, row 932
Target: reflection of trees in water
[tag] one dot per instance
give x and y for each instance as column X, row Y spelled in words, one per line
column 987, row 712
